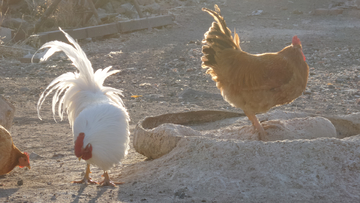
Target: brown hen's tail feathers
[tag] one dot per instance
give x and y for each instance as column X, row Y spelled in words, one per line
column 217, row 38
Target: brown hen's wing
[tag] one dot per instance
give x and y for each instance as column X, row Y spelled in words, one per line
column 252, row 72
column 6, row 144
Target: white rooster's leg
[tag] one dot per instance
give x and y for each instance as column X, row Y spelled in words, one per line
column 108, row 182
column 252, row 117
column 86, row 178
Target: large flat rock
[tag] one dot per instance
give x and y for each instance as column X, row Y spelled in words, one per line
column 307, row 158
column 157, row 136
column 301, row 170
column 7, row 112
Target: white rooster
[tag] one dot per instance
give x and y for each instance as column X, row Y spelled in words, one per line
column 99, row 120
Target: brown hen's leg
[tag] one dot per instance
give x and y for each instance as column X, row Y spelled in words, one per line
column 86, row 178
column 252, row 117
column 108, row 182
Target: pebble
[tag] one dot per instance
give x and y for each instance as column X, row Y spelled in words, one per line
column 257, row 12
column 20, row 182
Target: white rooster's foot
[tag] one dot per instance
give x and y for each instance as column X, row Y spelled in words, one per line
column 86, row 179
column 108, row 182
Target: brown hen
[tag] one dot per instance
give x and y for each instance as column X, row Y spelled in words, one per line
column 253, row 82
column 10, row 155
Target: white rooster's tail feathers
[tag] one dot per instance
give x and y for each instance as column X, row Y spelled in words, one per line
column 78, row 88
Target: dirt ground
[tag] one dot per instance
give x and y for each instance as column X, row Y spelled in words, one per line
column 161, row 64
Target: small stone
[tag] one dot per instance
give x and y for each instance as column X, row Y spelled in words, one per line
column 146, row 84
column 56, row 156
column 321, row 11
column 308, row 91
column 20, row 182
column 257, row 12
column 297, row 12
column 53, row 197
column 180, row 194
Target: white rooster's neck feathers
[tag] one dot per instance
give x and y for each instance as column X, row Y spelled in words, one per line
column 77, row 88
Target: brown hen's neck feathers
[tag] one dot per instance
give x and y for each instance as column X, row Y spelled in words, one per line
column 13, row 160
column 293, row 52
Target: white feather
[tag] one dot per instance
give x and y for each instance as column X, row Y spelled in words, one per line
column 96, row 110
column 76, row 86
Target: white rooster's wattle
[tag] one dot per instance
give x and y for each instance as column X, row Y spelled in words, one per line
column 97, row 115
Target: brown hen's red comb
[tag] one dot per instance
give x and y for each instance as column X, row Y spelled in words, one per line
column 28, row 157
column 296, row 40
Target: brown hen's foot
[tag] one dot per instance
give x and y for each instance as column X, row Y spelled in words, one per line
column 86, row 179
column 257, row 125
column 108, row 182
column 276, row 124
column 262, row 135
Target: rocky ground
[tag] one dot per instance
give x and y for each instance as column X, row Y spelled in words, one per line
column 162, row 67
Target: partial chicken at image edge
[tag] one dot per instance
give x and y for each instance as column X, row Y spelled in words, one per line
column 10, row 155
column 252, row 82
column 96, row 113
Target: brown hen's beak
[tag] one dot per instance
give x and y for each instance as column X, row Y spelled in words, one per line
column 79, row 158
column 28, row 167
